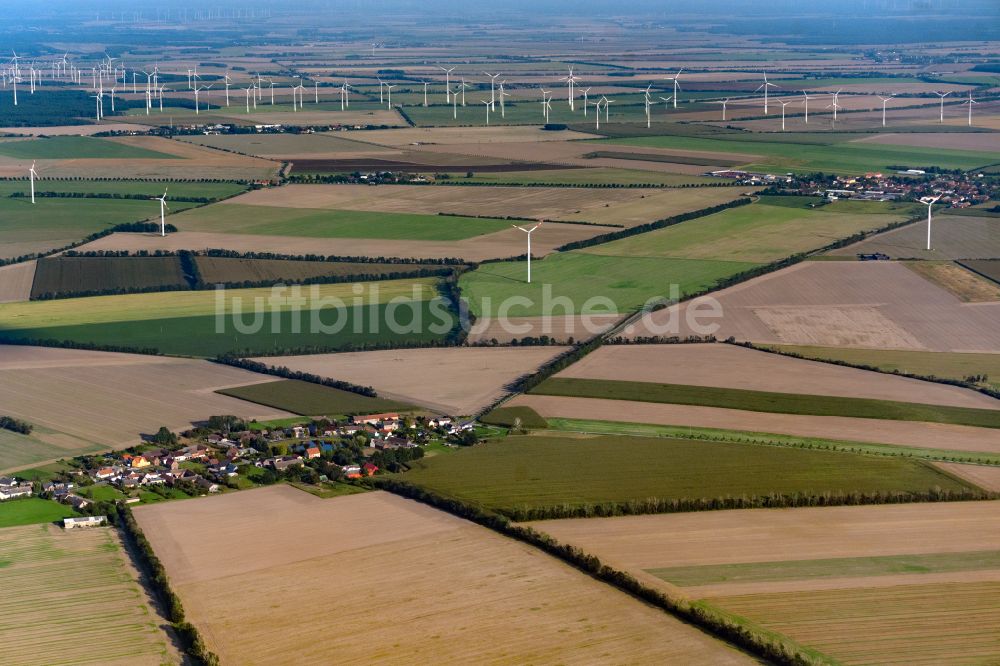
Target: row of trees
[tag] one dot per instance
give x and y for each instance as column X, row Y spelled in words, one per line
column 15, row 425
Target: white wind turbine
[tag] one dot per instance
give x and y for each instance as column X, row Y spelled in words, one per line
column 677, row 86
column 546, row 106
column 463, row 87
column 345, row 100
column 585, row 91
column 316, row 92
column 833, row 105
column 783, row 105
column 723, row 102
column 32, row 174
column 425, row 93
column 381, row 90
column 160, row 96
column 570, row 86
column 929, row 201
column 885, row 100
column 529, row 232
column 666, row 103
column 805, row 101
column 228, row 81
column 248, row 89
column 764, row 86
column 942, row 96
column 487, row 103
column 970, row 102
column 648, row 103
column 388, row 89
column 503, row 93
column 447, row 82
column 493, row 92
column 454, row 105
column 163, row 212
column 597, row 107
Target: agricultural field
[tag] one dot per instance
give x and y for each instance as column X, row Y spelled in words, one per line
column 16, row 281
column 310, row 399
column 288, row 146
column 953, row 237
column 75, row 147
column 594, row 284
column 729, row 366
column 988, row 268
column 548, row 469
column 187, row 323
column 540, row 610
column 966, row 285
column 867, row 584
column 67, row 276
column 602, row 415
column 773, row 401
column 216, row 270
column 873, row 305
column 585, row 176
column 781, row 155
column 176, row 191
column 83, row 401
column 57, row 222
column 452, row 381
column 75, row 588
column 760, row 233
column 615, row 207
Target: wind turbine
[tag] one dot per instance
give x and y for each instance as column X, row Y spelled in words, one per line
column 607, row 110
column 546, row 106
column 388, row 89
column 493, row 93
column 834, row 106
column 529, row 232
column 885, row 100
column 764, row 86
column 463, row 87
column 648, row 102
column 228, row 81
column 929, row 201
column 163, row 212
column 454, row 105
column 32, row 174
column 381, row 91
column 487, row 103
column 677, row 86
column 805, row 101
column 503, row 93
column 666, row 102
column 970, row 102
column 447, row 82
column 597, row 106
column 942, row 96
column 783, row 105
column 585, row 91
column 248, row 89
column 570, row 84
column 425, row 93
column 723, row 102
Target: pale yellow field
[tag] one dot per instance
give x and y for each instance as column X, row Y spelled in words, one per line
column 417, row 584
column 74, row 598
column 15, row 281
column 961, row 282
column 454, row 381
column 984, row 476
column 106, row 399
column 737, row 367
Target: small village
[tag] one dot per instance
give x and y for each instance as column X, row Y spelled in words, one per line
column 229, row 454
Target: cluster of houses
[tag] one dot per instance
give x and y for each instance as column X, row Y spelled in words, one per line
column 12, row 488
column 956, row 190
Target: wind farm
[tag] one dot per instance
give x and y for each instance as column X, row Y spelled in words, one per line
column 519, row 284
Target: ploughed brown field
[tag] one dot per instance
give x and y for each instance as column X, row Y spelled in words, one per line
column 454, row 381
column 729, row 366
column 879, row 431
column 912, row 583
column 82, row 399
column 876, row 305
column 16, row 281
column 419, row 585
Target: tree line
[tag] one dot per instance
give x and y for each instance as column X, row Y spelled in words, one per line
column 15, row 425
column 286, row 373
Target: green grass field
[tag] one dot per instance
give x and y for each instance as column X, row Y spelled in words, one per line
column 595, row 427
column 175, row 190
column 622, row 284
column 76, row 147
column 887, row 565
column 185, row 323
column 950, row 365
column 508, row 417
column 563, row 469
column 17, row 450
column 760, row 233
column 764, row 401
column 779, row 154
column 274, row 221
column 55, row 222
column 74, row 275
column 233, row 269
column 311, row 399
column 31, row 510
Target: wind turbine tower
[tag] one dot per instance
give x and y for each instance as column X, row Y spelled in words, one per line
column 529, row 232
column 929, row 201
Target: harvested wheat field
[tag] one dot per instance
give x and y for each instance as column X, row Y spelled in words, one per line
column 75, row 130
column 498, row 245
column 984, row 476
column 954, row 237
column 559, row 328
column 627, row 207
column 451, row 591
column 463, row 135
column 963, row 283
column 878, row 431
column 878, row 305
column 914, row 584
column 453, row 381
column 74, row 598
column 729, row 366
column 78, row 398
column 16, row 281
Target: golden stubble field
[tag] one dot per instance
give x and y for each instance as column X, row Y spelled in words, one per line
column 454, row 381
column 74, row 598
column 841, row 580
column 876, row 305
column 81, row 398
column 729, row 366
column 402, row 583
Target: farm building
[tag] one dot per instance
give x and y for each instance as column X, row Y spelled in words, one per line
column 84, row 521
